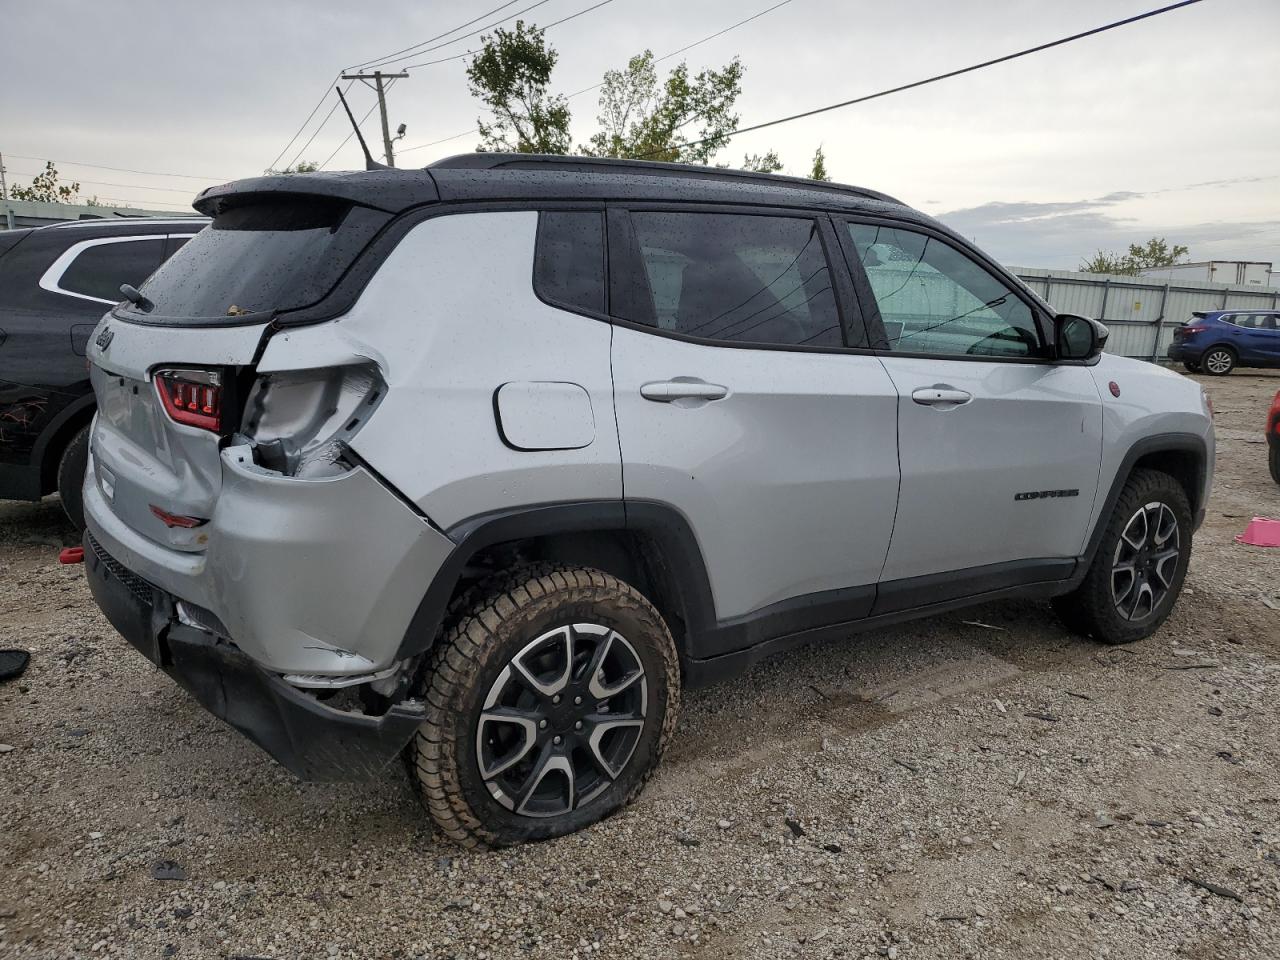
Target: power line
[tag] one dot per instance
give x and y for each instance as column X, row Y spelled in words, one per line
column 298, row 132
column 99, row 166
column 937, row 77
column 464, row 36
column 386, row 61
column 348, row 137
column 124, row 186
column 323, row 123
column 379, row 61
column 596, row 86
column 556, row 23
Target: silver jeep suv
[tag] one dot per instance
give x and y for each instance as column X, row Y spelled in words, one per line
column 483, row 463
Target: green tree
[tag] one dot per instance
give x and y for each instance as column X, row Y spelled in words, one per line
column 819, row 171
column 644, row 117
column 1155, row 253
column 302, row 166
column 46, row 189
column 511, row 76
column 767, row 162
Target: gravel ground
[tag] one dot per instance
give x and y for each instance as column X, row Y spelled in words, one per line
column 977, row 785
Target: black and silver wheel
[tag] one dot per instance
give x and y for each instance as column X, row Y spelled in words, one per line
column 1145, row 561
column 550, row 701
column 1137, row 572
column 1218, row 361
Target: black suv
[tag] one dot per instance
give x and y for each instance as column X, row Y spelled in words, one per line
column 55, row 284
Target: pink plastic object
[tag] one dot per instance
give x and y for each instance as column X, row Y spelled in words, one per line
column 1261, row 532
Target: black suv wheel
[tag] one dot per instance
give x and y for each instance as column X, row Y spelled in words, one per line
column 549, row 702
column 1137, row 572
column 71, row 468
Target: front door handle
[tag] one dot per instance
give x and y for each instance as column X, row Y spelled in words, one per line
column 665, row 391
column 940, row 396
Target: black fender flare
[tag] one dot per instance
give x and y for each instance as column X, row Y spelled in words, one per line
column 684, row 570
column 1156, row 443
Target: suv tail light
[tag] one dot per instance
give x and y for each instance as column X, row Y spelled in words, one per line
column 191, row 397
column 1188, row 331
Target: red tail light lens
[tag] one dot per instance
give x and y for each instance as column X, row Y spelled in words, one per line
column 1188, row 331
column 191, row 397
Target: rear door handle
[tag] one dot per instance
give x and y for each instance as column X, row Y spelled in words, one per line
column 940, row 395
column 665, row 391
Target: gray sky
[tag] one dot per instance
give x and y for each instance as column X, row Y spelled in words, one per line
column 1168, row 127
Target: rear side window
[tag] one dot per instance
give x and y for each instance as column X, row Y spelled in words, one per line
column 262, row 256
column 736, row 277
column 569, row 266
column 99, row 270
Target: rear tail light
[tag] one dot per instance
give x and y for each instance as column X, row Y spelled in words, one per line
column 1188, row 331
column 191, row 397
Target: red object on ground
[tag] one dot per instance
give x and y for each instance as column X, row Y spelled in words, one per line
column 71, row 555
column 1273, row 416
column 1261, row 532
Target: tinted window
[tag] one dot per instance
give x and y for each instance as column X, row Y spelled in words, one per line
column 99, row 270
column 569, row 264
column 280, row 255
column 746, row 279
column 934, row 299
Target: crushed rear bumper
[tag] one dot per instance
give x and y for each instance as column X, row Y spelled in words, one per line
column 312, row 740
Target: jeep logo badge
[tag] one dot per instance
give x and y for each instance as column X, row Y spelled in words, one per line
column 103, row 339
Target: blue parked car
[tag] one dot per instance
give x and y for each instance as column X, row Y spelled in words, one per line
column 1218, row 341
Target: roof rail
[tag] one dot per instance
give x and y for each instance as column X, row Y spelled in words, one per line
column 651, row 168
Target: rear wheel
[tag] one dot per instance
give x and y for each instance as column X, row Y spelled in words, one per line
column 1219, row 361
column 1137, row 572
column 549, row 703
column 71, row 468
column 1192, row 366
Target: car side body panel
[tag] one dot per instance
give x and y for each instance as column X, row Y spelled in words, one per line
column 450, row 318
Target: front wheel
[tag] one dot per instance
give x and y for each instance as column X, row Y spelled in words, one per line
column 1137, row 572
column 1219, row 361
column 549, row 703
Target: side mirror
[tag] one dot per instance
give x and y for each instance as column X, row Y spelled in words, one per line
column 1078, row 338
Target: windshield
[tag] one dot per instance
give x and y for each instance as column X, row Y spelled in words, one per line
column 261, row 256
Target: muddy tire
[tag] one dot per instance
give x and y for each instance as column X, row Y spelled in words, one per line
column 71, row 468
column 550, row 699
column 1138, row 570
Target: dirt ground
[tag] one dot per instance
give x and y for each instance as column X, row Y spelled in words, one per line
column 981, row 784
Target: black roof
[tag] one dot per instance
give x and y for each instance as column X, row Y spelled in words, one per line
column 517, row 176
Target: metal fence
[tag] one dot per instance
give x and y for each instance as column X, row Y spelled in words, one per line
column 1140, row 311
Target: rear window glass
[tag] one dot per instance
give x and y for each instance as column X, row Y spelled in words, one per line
column 569, row 266
column 99, row 270
column 266, row 256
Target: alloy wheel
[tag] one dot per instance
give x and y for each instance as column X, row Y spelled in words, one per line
column 1146, row 561
column 1218, row 361
column 561, row 721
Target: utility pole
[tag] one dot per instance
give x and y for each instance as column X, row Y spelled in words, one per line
column 4, row 188
column 377, row 77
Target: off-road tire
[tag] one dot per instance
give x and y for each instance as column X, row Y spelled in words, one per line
column 1273, row 460
column 1191, row 366
column 1231, row 361
column 71, row 468
column 1090, row 609
column 497, row 620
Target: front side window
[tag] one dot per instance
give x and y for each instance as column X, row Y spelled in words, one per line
column 569, row 264
column 736, row 278
column 933, row 299
column 99, row 270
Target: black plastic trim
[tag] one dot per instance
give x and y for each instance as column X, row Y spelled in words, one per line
column 912, row 593
column 313, row 741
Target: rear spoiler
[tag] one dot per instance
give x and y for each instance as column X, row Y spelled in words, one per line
column 388, row 190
